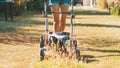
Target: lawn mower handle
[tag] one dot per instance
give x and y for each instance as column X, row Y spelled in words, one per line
column 46, row 16
column 71, row 17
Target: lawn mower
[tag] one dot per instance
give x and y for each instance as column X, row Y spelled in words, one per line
column 61, row 42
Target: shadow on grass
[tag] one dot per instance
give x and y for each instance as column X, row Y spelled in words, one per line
column 90, row 12
column 105, row 51
column 23, row 20
column 92, row 58
column 88, row 58
column 100, row 41
column 107, row 56
column 11, row 26
column 98, row 25
column 10, row 33
column 9, row 30
column 24, row 37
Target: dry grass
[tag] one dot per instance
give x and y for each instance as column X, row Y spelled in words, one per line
column 97, row 35
column 58, row 63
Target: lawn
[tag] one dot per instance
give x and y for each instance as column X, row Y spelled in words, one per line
column 97, row 34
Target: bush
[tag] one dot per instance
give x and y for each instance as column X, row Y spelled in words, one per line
column 115, row 8
column 35, row 5
column 18, row 7
column 102, row 4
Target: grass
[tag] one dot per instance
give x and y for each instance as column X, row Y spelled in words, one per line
column 92, row 12
column 59, row 63
column 102, row 41
column 97, row 36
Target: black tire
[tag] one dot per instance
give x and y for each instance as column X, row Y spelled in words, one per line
column 42, row 54
column 78, row 54
column 42, row 44
column 73, row 44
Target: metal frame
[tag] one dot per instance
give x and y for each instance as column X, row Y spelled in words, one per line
column 60, row 39
column 46, row 16
column 71, row 17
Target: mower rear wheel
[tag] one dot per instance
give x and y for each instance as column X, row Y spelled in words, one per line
column 42, row 49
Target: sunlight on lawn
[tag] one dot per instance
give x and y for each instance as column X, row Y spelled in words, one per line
column 59, row 63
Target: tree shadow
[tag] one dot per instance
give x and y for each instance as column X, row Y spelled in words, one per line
column 11, row 26
column 23, row 37
column 90, row 12
column 91, row 58
column 100, row 41
column 10, row 33
column 98, row 25
column 107, row 56
column 88, row 58
column 104, row 51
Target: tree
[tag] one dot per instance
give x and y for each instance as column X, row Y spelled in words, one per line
column 115, row 7
column 17, row 6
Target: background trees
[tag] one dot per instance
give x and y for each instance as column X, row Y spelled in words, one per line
column 115, row 7
column 21, row 6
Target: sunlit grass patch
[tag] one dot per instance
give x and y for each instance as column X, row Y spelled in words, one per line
column 59, row 63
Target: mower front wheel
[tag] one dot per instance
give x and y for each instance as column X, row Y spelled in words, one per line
column 42, row 49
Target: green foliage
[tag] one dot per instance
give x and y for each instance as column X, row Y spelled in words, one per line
column 35, row 5
column 114, row 8
column 18, row 7
column 39, row 4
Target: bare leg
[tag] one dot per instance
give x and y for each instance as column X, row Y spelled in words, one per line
column 56, row 18
column 63, row 17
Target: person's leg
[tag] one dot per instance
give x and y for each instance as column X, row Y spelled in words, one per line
column 56, row 18
column 63, row 17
